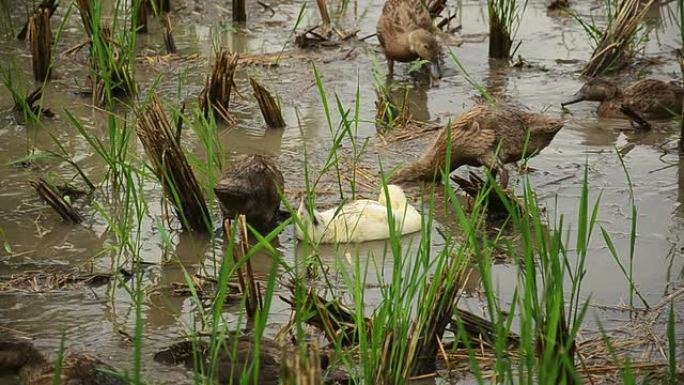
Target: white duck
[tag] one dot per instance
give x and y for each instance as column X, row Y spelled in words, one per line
column 360, row 220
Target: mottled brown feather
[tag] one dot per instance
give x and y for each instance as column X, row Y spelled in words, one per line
column 398, row 18
column 478, row 134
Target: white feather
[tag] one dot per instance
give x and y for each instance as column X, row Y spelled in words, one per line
column 359, row 221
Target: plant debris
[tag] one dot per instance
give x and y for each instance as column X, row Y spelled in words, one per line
column 215, row 97
column 51, row 195
column 172, row 168
column 42, row 281
column 270, row 109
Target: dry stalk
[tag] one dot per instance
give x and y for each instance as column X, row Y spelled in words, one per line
column 50, row 5
column 169, row 42
column 302, row 368
column 216, row 93
column 331, row 317
column 239, row 11
column 141, row 16
column 86, row 15
column 615, row 45
column 30, row 103
column 435, row 7
column 268, row 106
column 40, row 37
column 248, row 284
column 323, row 9
column 425, row 334
column 172, row 168
column 50, row 194
column 161, row 5
column 500, row 40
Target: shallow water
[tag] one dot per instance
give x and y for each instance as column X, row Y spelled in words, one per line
column 554, row 46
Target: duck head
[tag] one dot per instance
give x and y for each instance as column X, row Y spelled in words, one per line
column 397, row 198
column 596, row 90
column 425, row 45
column 309, row 221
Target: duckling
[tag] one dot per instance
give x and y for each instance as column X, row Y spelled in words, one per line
column 406, row 33
column 649, row 98
column 252, row 186
column 484, row 136
column 360, row 220
column 77, row 368
column 233, row 358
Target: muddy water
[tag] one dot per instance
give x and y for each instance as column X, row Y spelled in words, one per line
column 554, row 48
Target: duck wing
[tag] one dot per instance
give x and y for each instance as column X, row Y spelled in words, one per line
column 653, row 97
column 402, row 16
column 472, row 135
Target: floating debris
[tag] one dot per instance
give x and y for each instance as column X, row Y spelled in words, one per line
column 27, row 105
column 268, row 105
column 205, row 288
column 42, row 281
column 215, row 97
column 161, row 5
column 336, row 320
column 172, row 167
column 50, row 194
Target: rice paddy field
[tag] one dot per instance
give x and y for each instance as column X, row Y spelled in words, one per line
column 582, row 280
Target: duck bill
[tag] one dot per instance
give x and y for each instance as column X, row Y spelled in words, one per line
column 435, row 69
column 578, row 97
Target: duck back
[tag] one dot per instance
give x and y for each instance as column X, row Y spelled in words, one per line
column 653, row 98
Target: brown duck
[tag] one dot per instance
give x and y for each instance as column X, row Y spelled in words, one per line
column 233, row 358
column 484, row 136
column 252, row 186
column 649, row 98
column 77, row 368
column 406, row 33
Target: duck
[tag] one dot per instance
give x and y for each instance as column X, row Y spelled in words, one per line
column 406, row 33
column 234, row 356
column 252, row 186
column 649, row 98
column 486, row 135
column 359, row 221
column 21, row 357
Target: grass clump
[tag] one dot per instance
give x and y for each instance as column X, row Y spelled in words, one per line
column 504, row 19
column 171, row 167
column 618, row 41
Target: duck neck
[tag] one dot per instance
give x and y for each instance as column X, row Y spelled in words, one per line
column 419, row 171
